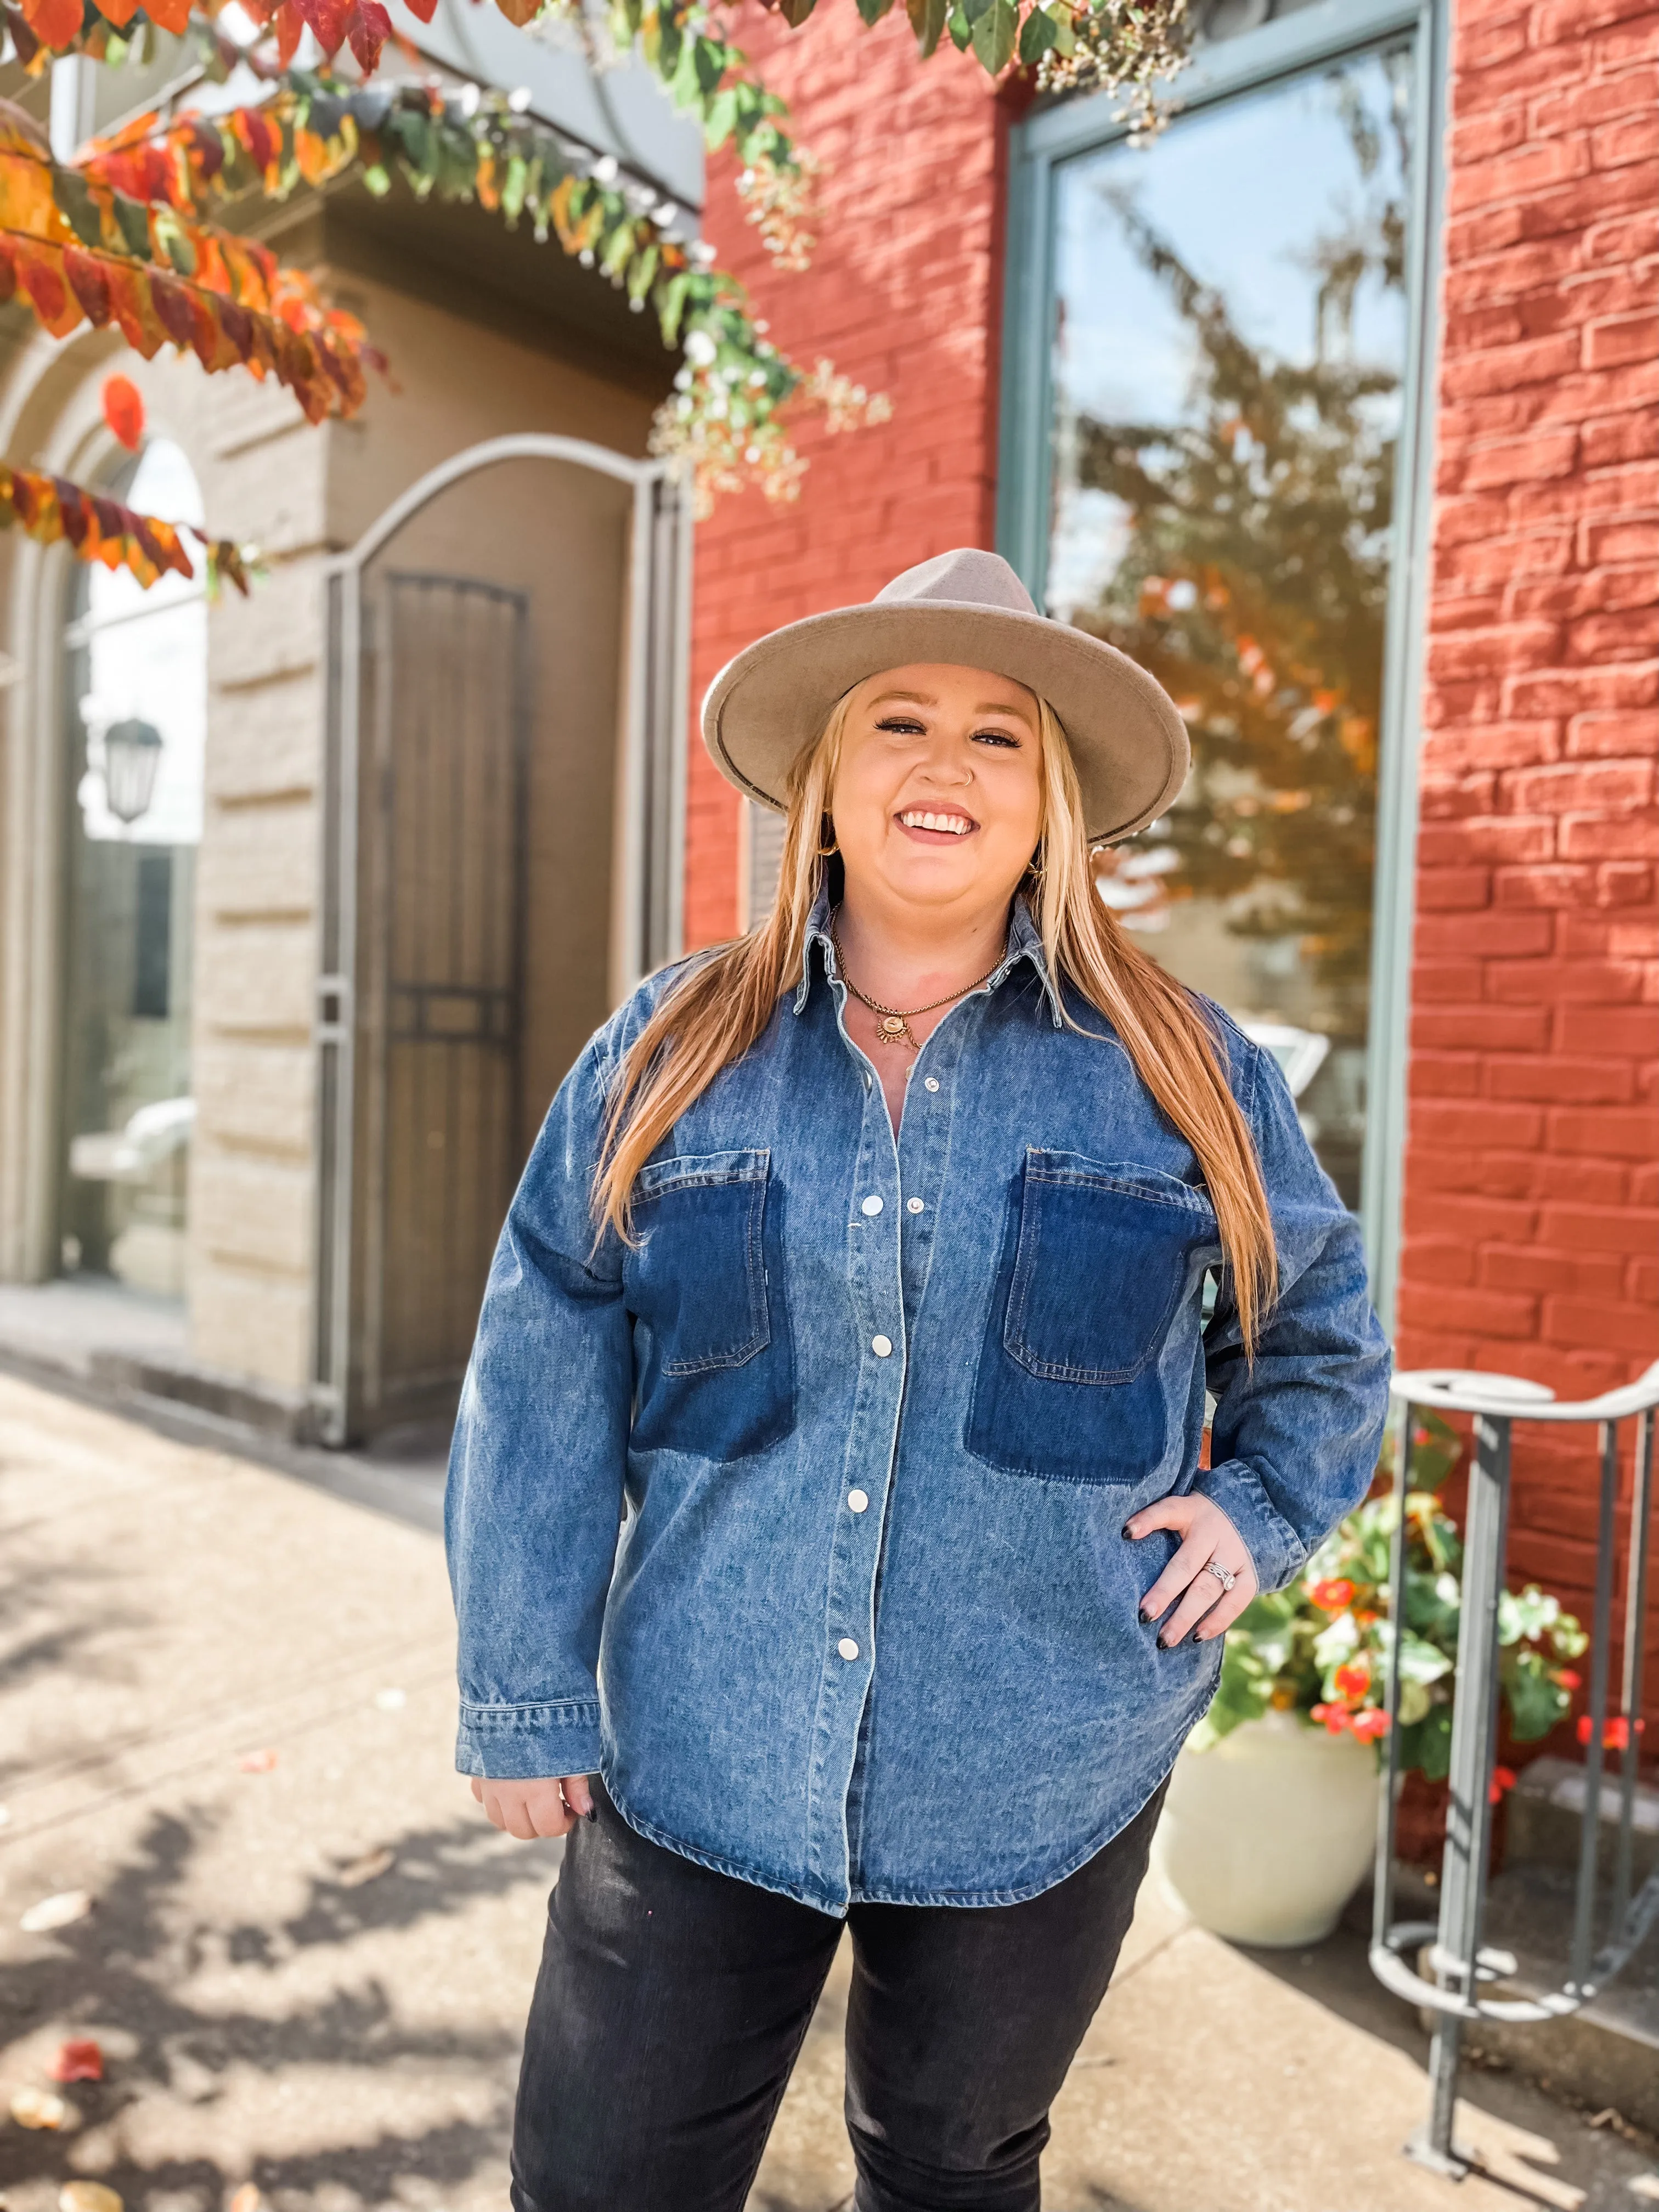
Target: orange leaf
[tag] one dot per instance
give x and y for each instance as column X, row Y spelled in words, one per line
column 124, row 410
column 520, row 11
column 132, row 308
column 169, row 14
column 118, row 12
column 291, row 27
column 54, row 23
column 426, row 9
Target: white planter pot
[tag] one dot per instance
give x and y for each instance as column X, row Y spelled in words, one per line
column 1266, row 1836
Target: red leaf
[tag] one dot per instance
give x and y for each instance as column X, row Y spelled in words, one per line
column 238, row 327
column 45, row 289
column 327, row 18
column 124, row 410
column 368, row 27
column 54, row 23
column 426, row 9
column 90, row 284
column 209, row 148
column 22, row 37
column 255, row 133
column 174, row 310
column 82, row 2058
column 8, row 273
column 76, row 508
column 290, row 23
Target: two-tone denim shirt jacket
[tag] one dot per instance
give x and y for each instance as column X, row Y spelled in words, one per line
column 802, row 1520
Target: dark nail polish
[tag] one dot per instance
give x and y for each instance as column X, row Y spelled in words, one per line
column 591, row 1813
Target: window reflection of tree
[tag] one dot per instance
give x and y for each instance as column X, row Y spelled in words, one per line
column 1255, row 586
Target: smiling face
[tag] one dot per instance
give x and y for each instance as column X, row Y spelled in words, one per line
column 938, row 792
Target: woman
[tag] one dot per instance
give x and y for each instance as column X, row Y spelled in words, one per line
column 858, row 1273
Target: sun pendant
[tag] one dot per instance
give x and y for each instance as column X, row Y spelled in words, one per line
column 893, row 1030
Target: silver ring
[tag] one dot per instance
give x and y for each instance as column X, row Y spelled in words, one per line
column 1222, row 1576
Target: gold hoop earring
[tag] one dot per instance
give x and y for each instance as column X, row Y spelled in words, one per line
column 827, row 852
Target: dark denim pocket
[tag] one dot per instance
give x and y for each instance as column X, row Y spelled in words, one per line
column 717, row 1376
column 1095, row 1256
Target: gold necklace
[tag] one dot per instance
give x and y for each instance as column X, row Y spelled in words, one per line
column 895, row 1021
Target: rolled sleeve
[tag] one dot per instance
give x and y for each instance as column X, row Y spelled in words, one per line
column 1294, row 1434
column 535, row 1472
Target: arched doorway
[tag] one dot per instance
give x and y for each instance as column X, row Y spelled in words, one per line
column 503, row 813
column 135, row 703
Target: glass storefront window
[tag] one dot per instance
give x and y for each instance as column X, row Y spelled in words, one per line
column 136, row 696
column 1230, row 351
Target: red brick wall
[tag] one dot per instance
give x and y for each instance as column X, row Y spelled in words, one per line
column 1531, row 1186
column 904, row 297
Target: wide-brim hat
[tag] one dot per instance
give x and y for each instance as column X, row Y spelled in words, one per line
column 1128, row 741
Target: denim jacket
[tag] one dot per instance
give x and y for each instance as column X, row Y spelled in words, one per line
column 803, row 1520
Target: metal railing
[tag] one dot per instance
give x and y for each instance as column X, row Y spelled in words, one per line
column 1461, row 1964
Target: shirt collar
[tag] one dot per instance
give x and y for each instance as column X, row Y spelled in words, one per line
column 1024, row 942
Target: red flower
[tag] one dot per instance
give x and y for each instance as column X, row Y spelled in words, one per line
column 1370, row 1724
column 1354, row 1679
column 1568, row 1679
column 1615, row 1733
column 1502, row 1778
column 1335, row 1719
column 1333, row 1596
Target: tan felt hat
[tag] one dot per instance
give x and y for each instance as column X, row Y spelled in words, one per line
column 966, row 606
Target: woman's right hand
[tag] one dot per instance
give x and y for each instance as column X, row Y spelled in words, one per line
column 548, row 1806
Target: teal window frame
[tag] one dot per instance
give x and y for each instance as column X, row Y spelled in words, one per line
column 1056, row 133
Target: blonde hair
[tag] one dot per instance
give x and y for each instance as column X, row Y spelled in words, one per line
column 722, row 1006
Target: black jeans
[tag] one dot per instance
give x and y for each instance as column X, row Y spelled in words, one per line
column 673, row 2002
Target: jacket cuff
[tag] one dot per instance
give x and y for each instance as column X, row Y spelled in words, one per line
column 527, row 1743
column 1277, row 1552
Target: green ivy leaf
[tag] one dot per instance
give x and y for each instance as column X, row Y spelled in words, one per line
column 961, row 30
column 795, row 12
column 69, row 189
column 710, row 59
column 132, row 221
column 722, row 117
column 994, row 35
column 1038, row 33
column 873, row 10
column 927, row 21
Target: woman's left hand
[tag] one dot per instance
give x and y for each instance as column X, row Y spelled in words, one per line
column 1205, row 1534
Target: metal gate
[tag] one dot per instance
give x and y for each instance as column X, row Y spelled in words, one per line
column 420, row 1019
column 443, row 977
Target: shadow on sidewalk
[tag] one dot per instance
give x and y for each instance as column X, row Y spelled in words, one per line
column 122, row 1973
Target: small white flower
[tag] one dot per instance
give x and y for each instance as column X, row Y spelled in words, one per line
column 518, row 100
column 700, row 349
column 604, row 170
column 682, row 379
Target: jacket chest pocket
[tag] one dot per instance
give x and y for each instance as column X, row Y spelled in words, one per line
column 1096, row 1257
column 717, row 1373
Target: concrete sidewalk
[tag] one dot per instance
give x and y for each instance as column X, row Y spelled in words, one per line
column 227, row 1718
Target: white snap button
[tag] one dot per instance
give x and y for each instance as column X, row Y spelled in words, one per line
column 913, row 1205
column 881, row 1346
column 857, row 1500
column 873, row 1203
column 930, row 1083
column 846, row 1648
